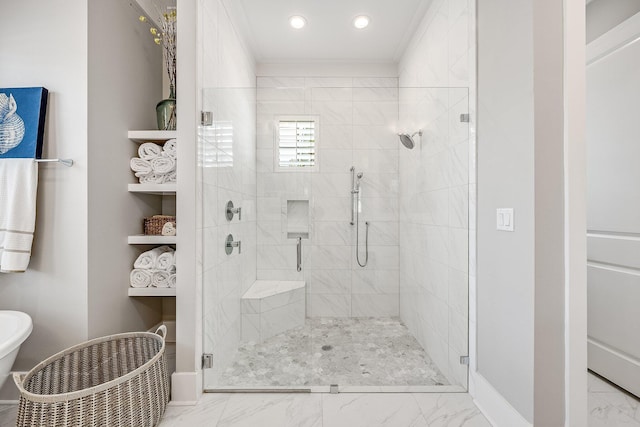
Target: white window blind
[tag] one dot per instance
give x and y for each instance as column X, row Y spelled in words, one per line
column 296, row 144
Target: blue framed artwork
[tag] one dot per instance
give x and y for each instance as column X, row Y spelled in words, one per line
column 22, row 114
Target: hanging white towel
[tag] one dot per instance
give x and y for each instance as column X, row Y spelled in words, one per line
column 18, row 188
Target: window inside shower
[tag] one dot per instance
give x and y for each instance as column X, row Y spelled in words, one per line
column 296, row 140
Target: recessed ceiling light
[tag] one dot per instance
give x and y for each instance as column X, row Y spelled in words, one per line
column 297, row 21
column 361, row 22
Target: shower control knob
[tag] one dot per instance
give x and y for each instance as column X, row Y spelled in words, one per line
column 229, row 244
column 232, row 211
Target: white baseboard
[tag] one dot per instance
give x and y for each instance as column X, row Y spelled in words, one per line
column 186, row 388
column 9, row 402
column 494, row 407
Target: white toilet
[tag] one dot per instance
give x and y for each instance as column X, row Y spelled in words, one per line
column 15, row 328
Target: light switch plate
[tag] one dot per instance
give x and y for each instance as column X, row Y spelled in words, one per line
column 504, row 219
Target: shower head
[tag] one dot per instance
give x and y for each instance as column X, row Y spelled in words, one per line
column 407, row 140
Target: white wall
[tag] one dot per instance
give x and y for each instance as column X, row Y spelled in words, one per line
column 530, row 300
column 125, row 82
column 186, row 383
column 505, row 149
column 54, row 289
column 436, row 185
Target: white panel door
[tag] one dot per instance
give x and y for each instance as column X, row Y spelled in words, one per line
column 613, row 200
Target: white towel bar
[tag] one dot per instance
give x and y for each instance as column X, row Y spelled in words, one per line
column 66, row 162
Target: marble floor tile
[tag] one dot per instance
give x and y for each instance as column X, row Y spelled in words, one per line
column 609, row 406
column 450, row 410
column 344, row 351
column 206, row 413
column 273, row 410
column 371, row 410
column 609, row 412
column 8, row 415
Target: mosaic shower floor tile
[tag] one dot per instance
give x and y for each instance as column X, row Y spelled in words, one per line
column 344, row 351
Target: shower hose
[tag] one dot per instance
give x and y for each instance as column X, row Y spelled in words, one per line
column 366, row 241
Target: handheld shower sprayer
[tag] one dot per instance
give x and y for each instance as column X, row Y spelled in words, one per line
column 355, row 181
column 355, row 215
column 358, row 178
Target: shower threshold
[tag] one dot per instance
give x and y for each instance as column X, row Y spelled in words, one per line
column 344, row 389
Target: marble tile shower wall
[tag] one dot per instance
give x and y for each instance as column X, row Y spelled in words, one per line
column 435, row 179
column 226, row 160
column 358, row 118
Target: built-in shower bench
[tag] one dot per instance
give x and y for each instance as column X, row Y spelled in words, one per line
column 270, row 307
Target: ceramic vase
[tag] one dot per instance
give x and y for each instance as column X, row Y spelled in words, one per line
column 166, row 111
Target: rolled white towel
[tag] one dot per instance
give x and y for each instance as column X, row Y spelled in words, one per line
column 166, row 261
column 149, row 151
column 170, row 177
column 163, row 165
column 140, row 166
column 160, row 279
column 170, row 149
column 148, row 260
column 140, row 278
column 172, row 280
column 151, row 178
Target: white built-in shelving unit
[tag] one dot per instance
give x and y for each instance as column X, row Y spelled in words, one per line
column 141, row 239
column 152, row 292
column 157, row 137
column 158, row 189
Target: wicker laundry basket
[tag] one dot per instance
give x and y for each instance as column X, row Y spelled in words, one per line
column 118, row 380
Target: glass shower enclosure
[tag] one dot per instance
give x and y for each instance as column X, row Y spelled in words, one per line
column 342, row 261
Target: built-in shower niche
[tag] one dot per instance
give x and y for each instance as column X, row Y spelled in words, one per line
column 297, row 219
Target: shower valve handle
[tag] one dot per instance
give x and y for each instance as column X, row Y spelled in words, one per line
column 231, row 211
column 229, row 244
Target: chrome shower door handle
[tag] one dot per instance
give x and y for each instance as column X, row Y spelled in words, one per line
column 299, row 252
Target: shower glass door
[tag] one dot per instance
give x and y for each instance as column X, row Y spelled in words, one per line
column 436, row 182
column 226, row 157
column 400, row 322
